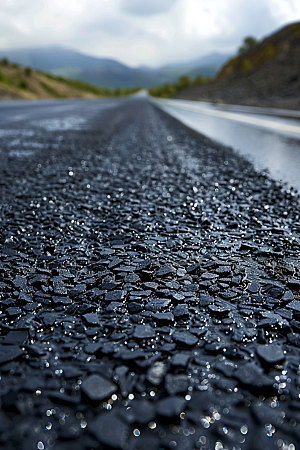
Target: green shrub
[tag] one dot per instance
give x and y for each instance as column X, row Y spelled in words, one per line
column 183, row 82
column 28, row 71
column 246, row 65
column 23, row 84
column 4, row 79
column 164, row 91
column 232, row 61
column 4, row 62
column 294, row 29
column 167, row 90
column 202, row 80
column 270, row 51
column 248, row 44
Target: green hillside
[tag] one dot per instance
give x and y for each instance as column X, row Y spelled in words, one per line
column 17, row 82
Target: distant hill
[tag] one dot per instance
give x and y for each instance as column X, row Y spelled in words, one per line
column 49, row 59
column 109, row 73
column 267, row 75
column 208, row 66
column 18, row 82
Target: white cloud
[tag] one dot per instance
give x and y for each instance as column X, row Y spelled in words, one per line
column 142, row 31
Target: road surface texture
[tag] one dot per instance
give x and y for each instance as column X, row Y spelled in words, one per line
column 149, row 286
column 268, row 137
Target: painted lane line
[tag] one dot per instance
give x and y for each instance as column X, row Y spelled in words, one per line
column 263, row 123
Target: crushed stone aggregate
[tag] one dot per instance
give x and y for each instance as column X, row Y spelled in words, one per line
column 149, row 289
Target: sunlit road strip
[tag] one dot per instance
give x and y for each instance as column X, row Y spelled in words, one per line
column 278, row 126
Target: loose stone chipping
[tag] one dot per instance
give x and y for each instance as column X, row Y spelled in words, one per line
column 149, row 291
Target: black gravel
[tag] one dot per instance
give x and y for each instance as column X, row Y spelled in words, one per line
column 150, row 289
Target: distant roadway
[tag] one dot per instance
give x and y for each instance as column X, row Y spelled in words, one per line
column 269, row 137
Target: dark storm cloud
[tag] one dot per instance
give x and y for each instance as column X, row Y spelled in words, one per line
column 146, row 7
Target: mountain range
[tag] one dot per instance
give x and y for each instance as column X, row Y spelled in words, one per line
column 109, row 73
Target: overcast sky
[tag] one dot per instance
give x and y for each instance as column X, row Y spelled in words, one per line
column 136, row 32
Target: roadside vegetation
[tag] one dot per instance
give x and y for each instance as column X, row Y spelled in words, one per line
column 82, row 85
column 249, row 43
column 24, row 82
column 254, row 54
column 168, row 90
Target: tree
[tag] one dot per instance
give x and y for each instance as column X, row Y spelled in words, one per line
column 184, row 82
column 248, row 44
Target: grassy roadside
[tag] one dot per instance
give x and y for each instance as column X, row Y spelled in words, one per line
column 17, row 82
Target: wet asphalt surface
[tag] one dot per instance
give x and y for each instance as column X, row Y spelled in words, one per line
column 268, row 137
column 149, row 287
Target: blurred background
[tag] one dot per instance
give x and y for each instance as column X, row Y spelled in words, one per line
column 234, row 51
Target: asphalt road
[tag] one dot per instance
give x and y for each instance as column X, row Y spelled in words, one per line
column 149, row 285
column 270, row 138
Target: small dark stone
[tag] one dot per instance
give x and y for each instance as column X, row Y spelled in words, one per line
column 253, row 288
column 294, row 339
column 294, row 305
column 180, row 360
column 143, row 411
column 294, row 284
column 144, row 332
column 181, row 311
column 59, row 289
column 16, row 337
column 13, row 311
column 185, row 338
column 165, row 270
column 77, row 290
column 131, row 278
column 226, row 367
column 250, row 375
column 163, row 317
column 57, row 300
column 91, row 319
column 134, row 308
column 115, row 296
column 157, row 304
column 9, row 353
column 93, row 348
column 223, row 270
column 288, row 296
column 219, row 310
column 25, row 298
column 271, row 353
column 20, row 282
column 156, row 373
column 176, row 384
column 170, row 407
column 98, row 388
column 49, row 319
column 110, row 430
column 205, row 300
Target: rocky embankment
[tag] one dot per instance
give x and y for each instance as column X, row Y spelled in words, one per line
column 268, row 75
